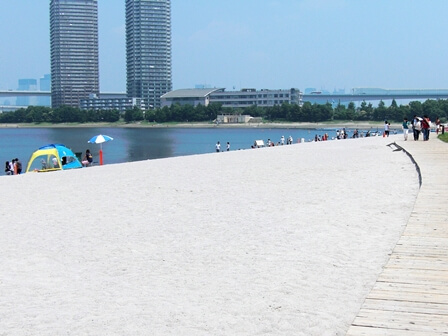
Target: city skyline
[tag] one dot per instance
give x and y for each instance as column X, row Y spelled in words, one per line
column 338, row 44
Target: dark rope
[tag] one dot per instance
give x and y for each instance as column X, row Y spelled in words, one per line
column 412, row 159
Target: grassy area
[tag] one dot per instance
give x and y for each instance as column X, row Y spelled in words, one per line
column 443, row 137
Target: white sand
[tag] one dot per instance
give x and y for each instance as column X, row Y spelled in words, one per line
column 274, row 241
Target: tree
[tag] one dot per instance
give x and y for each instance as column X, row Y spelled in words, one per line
column 431, row 109
column 351, row 111
column 340, row 112
column 294, row 113
column 307, row 112
column 416, row 108
column 380, row 113
column 393, row 112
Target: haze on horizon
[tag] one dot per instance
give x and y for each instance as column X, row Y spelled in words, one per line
column 275, row 44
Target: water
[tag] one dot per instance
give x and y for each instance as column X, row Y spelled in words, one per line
column 134, row 144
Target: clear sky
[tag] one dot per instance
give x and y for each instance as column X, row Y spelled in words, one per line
column 274, row 44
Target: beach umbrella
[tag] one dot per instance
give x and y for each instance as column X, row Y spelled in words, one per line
column 99, row 139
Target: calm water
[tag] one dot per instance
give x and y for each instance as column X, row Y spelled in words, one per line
column 134, row 144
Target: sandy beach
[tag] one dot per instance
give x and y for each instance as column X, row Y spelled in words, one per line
column 286, row 240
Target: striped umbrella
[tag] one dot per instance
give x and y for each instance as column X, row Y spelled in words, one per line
column 99, row 139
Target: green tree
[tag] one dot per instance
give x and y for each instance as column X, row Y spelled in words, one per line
column 431, row 109
column 380, row 113
column 340, row 112
column 307, row 112
column 416, row 108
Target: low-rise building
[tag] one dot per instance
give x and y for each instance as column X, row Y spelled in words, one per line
column 192, row 97
column 233, row 99
column 263, row 98
column 233, row 118
column 116, row 103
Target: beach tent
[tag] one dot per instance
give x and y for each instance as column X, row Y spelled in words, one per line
column 259, row 143
column 52, row 157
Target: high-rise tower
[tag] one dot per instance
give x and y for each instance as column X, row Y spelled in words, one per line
column 148, row 49
column 74, row 51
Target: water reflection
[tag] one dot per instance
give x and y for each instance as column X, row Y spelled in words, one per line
column 148, row 143
column 134, row 144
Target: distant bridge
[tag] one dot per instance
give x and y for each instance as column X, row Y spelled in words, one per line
column 17, row 93
column 323, row 98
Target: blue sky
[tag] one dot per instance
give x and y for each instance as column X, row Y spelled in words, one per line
column 275, row 44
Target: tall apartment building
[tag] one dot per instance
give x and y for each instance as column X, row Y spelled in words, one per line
column 74, row 51
column 148, row 50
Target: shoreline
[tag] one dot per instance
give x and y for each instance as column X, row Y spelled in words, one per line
column 300, row 125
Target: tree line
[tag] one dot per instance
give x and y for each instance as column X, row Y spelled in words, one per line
column 187, row 113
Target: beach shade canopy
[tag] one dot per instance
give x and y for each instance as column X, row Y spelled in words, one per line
column 99, row 139
column 52, row 157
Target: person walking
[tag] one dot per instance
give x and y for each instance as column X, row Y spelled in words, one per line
column 426, row 127
column 386, row 129
column 416, row 127
column 405, row 127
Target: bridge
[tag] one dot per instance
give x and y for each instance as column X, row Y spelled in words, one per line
column 18, row 93
column 322, row 98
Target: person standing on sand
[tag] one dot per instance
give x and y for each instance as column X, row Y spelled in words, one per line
column 8, row 168
column 437, row 125
column 282, row 140
column 416, row 126
column 13, row 167
column 218, row 147
column 426, row 127
column 405, row 127
column 386, row 129
column 18, row 167
column 228, row 146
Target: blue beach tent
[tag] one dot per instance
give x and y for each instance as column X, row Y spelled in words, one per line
column 52, row 157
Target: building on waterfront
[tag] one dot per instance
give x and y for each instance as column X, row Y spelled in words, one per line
column 148, row 49
column 192, row 97
column 235, row 119
column 233, row 99
column 105, row 102
column 74, row 51
column 263, row 98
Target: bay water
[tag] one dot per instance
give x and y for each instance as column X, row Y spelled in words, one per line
column 146, row 143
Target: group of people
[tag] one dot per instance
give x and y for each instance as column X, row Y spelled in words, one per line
column 13, row 167
column 218, row 146
column 418, row 125
column 321, row 137
column 289, row 141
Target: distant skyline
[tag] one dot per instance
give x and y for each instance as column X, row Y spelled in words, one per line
column 275, row 44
